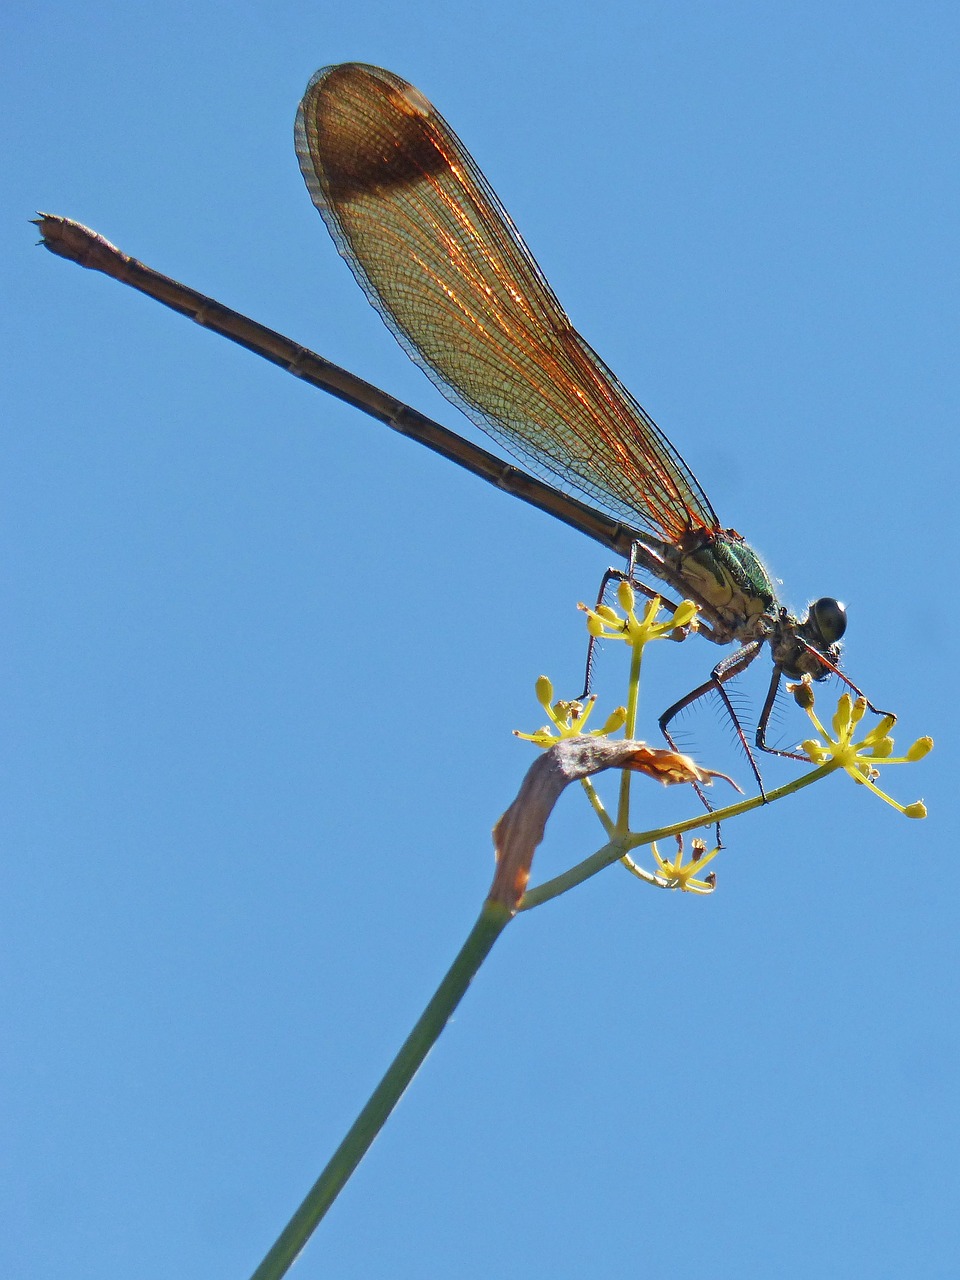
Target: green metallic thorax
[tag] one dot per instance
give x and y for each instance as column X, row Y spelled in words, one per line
column 729, row 577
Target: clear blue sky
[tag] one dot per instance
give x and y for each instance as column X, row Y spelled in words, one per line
column 263, row 658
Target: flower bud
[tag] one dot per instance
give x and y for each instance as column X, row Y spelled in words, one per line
column 651, row 611
column 684, row 613
column 843, row 714
column 544, row 689
column 615, row 720
column 625, row 596
column 802, row 694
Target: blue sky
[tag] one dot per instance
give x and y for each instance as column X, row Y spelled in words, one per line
column 263, row 660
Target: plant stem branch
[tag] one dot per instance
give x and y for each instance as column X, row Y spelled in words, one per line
column 614, row 850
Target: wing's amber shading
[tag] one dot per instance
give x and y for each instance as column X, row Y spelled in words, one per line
column 440, row 259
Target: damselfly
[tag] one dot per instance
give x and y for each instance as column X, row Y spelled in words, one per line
column 440, row 259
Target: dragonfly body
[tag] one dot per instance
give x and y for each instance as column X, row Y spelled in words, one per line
column 440, row 259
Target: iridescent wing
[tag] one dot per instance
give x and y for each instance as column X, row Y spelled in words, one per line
column 438, row 256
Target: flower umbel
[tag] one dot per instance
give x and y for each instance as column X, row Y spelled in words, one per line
column 861, row 759
column 568, row 718
column 676, row 874
column 604, row 623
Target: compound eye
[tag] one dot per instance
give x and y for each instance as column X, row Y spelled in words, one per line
column 830, row 618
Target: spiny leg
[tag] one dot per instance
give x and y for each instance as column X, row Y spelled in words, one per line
column 721, row 673
column 761, row 736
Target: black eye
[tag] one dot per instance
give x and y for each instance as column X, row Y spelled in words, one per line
column 830, row 618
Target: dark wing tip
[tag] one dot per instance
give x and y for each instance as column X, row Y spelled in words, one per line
column 367, row 131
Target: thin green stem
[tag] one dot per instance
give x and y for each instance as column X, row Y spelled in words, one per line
column 597, row 806
column 629, row 731
column 648, row 877
column 490, row 924
column 615, row 849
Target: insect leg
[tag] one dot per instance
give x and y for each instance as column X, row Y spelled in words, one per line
column 730, row 666
column 761, row 738
column 835, row 670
